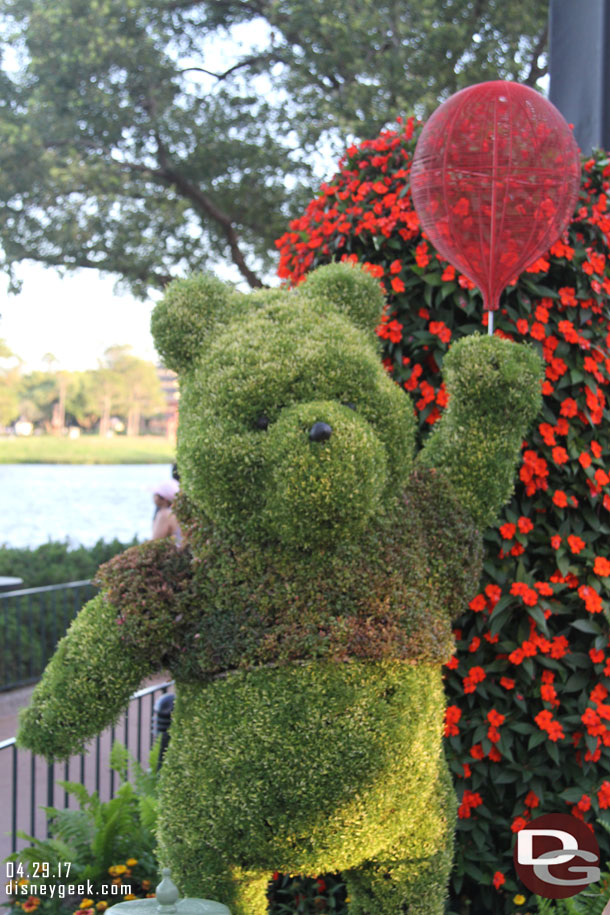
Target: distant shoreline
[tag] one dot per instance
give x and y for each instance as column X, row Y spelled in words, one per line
column 88, row 449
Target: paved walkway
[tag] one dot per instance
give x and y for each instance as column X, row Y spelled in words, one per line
column 10, row 703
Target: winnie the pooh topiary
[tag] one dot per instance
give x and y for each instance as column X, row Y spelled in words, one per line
column 307, row 620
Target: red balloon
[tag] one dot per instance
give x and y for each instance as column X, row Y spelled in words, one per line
column 495, row 179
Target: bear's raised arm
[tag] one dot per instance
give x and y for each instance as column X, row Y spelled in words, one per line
column 494, row 395
column 118, row 638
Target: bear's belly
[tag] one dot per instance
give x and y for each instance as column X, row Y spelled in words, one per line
column 303, row 768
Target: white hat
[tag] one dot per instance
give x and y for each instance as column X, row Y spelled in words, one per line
column 167, row 489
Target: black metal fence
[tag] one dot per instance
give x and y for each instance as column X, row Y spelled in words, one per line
column 28, row 782
column 32, row 620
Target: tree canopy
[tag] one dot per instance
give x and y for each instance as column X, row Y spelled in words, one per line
column 143, row 140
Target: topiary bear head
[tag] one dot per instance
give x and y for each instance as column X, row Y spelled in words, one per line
column 290, row 429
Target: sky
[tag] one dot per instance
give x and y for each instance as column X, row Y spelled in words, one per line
column 74, row 317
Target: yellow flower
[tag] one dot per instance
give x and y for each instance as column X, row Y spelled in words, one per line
column 31, row 904
column 117, row 881
column 146, row 884
column 22, row 881
column 519, row 899
column 129, row 896
column 101, row 905
column 150, row 895
column 116, row 870
column 131, row 862
column 86, row 903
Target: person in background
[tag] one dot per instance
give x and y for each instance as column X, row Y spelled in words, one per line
column 165, row 523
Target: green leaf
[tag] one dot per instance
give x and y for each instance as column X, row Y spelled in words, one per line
column 586, row 626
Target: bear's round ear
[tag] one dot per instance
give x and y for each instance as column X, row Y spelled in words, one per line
column 187, row 314
column 348, row 287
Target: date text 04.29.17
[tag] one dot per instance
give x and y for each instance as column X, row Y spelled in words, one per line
column 37, row 870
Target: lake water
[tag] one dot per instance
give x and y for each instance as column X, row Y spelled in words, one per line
column 77, row 502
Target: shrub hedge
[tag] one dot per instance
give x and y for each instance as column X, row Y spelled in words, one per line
column 527, row 718
column 55, row 562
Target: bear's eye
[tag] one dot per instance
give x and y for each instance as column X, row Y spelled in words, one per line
column 262, row 422
column 346, row 403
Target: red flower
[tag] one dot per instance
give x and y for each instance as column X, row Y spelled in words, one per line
column 495, row 718
column 422, row 257
column 508, row 531
column 569, row 407
column 498, row 880
column 593, row 601
column 603, row 795
column 546, row 722
column 518, row 824
column 560, row 455
column 478, row 603
column 560, row 499
column 440, row 330
column 576, row 544
column 470, row 801
column 601, row 477
column 452, row 715
column 475, row 675
column 525, row 525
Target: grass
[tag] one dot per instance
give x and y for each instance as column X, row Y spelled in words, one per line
column 89, row 449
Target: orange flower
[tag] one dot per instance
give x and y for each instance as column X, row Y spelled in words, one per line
column 601, row 566
column 560, row 499
column 576, row 544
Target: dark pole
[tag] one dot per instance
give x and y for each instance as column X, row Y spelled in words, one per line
column 579, row 64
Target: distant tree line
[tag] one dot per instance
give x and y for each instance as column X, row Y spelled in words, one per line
column 123, row 386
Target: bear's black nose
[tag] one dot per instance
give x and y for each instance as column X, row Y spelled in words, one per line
column 320, row 432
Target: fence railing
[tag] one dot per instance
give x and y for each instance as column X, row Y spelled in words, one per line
column 28, row 782
column 32, row 620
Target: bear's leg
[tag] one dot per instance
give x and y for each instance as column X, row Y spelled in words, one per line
column 250, row 892
column 243, row 892
column 411, row 877
column 394, row 887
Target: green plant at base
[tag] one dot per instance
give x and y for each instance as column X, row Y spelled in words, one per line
column 92, row 843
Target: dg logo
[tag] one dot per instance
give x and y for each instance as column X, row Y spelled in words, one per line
column 556, row 856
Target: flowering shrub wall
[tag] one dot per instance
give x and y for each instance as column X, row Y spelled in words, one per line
column 528, row 717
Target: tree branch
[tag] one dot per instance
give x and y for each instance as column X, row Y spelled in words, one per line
column 246, row 62
column 127, row 270
column 204, row 205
